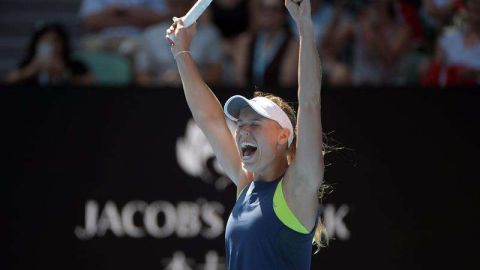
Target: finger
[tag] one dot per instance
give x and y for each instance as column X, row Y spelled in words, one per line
column 169, row 41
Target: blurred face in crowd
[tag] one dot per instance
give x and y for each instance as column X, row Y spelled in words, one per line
column 49, row 45
column 270, row 14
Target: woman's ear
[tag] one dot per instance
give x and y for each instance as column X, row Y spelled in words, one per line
column 283, row 136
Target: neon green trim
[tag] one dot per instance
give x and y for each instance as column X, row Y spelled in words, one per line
column 284, row 213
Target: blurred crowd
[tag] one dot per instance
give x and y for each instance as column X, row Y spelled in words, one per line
column 254, row 43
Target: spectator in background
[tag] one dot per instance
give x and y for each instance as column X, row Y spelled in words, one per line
column 439, row 13
column 381, row 42
column 114, row 25
column 154, row 64
column 232, row 19
column 48, row 61
column 322, row 17
column 457, row 59
column 333, row 21
column 267, row 57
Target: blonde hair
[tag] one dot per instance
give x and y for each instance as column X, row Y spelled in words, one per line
column 320, row 238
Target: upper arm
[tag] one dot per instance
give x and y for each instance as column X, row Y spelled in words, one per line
column 224, row 147
column 306, row 171
column 308, row 166
column 305, row 174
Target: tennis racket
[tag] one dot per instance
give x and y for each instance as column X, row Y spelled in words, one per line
column 192, row 15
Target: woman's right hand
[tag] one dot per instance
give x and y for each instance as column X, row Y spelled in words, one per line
column 182, row 35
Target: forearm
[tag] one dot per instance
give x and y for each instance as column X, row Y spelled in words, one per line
column 201, row 100
column 309, row 69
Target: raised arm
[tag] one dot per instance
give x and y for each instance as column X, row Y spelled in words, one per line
column 305, row 174
column 206, row 109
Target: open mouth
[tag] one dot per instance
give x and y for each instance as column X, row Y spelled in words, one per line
column 248, row 150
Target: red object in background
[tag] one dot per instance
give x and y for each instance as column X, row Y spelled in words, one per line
column 431, row 77
column 459, row 4
column 455, row 75
column 459, row 75
column 410, row 15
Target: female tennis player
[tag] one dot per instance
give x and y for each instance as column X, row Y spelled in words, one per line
column 277, row 172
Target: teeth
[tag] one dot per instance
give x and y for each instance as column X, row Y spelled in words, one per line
column 246, row 144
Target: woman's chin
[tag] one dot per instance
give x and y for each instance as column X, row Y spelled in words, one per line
column 250, row 160
column 249, row 164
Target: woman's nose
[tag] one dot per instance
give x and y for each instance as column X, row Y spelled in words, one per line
column 245, row 130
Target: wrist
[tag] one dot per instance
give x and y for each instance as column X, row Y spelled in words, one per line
column 181, row 53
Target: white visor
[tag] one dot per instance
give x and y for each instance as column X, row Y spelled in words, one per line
column 261, row 105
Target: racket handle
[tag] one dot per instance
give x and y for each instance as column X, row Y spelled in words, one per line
column 192, row 15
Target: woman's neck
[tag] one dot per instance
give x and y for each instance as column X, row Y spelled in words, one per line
column 273, row 171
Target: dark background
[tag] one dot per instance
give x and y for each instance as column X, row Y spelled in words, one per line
column 408, row 173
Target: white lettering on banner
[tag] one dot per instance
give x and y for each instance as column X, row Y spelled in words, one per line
column 151, row 219
column 333, row 220
column 128, row 213
column 179, row 261
column 110, row 220
column 189, row 220
column 186, row 220
column 210, row 215
column 91, row 213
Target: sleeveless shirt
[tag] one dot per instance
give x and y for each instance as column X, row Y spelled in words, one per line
column 255, row 238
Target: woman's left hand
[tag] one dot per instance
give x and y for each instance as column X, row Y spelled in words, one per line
column 300, row 10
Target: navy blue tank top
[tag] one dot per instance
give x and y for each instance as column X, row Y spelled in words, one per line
column 256, row 239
